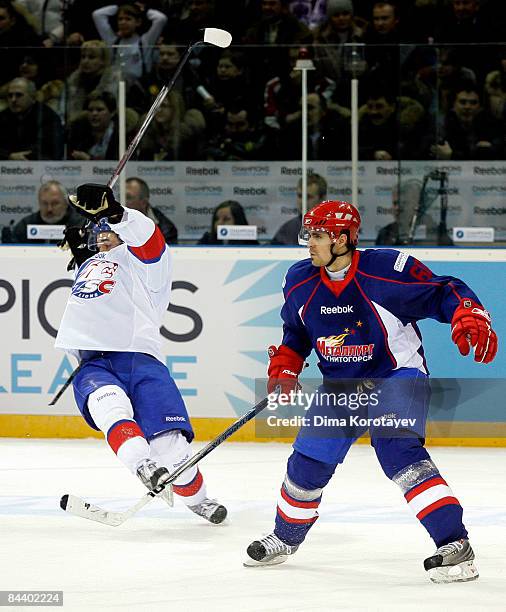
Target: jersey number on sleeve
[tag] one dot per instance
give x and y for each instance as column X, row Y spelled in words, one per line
column 419, row 271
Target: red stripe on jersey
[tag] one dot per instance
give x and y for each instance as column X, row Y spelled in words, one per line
column 306, row 280
column 289, row 519
column 296, row 503
column 432, row 482
column 122, row 431
column 445, row 501
column 459, row 297
column 379, row 321
column 309, row 300
column 152, row 250
column 191, row 488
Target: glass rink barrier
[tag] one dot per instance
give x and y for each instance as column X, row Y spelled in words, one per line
column 421, row 141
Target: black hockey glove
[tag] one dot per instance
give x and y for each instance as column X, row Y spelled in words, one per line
column 96, row 201
column 76, row 239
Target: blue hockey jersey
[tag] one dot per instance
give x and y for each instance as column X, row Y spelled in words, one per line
column 365, row 326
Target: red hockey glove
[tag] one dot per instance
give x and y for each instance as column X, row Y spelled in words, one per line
column 285, row 365
column 471, row 328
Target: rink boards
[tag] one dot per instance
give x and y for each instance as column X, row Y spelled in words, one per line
column 224, row 313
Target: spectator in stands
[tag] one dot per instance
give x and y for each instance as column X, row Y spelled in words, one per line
column 276, row 27
column 241, row 138
column 405, row 202
column 15, row 35
column 467, row 21
column 378, row 131
column 137, row 196
column 165, row 63
column 288, row 233
column 94, row 135
column 53, row 210
column 383, row 51
column 495, row 87
column 199, row 14
column 47, row 16
column 310, row 12
column 29, row 129
column 393, row 128
column 469, row 131
column 134, row 57
column 282, row 93
column 176, row 133
column 79, row 21
column 94, row 73
column 339, row 28
column 329, row 134
column 51, row 93
column 229, row 212
column 438, row 73
column 228, row 86
column 31, row 69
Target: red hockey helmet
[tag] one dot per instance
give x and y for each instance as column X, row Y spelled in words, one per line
column 333, row 217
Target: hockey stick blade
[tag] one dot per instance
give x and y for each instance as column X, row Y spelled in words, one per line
column 79, row 507
column 217, row 37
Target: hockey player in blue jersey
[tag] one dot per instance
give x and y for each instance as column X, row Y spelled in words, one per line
column 358, row 310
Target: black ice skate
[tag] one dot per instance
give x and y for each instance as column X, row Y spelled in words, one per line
column 211, row 510
column 151, row 475
column 268, row 551
column 452, row 562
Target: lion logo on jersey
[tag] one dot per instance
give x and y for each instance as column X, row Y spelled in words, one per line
column 95, row 279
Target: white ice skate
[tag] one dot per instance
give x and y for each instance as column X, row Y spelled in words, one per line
column 453, row 562
column 151, row 475
column 268, row 551
column 211, row 510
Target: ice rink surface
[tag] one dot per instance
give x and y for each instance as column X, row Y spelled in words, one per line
column 364, row 553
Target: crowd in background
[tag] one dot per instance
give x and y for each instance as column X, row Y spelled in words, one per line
column 425, row 92
column 432, row 86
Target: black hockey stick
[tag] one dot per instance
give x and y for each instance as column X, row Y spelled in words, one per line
column 65, row 385
column 79, row 507
column 212, row 36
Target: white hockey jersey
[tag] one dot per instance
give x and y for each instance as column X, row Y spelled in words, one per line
column 119, row 297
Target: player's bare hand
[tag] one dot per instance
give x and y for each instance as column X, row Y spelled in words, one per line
column 75, row 39
column 81, row 155
column 382, row 155
column 20, row 155
column 442, row 151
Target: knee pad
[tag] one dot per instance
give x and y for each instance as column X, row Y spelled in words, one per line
column 108, row 405
column 308, row 474
column 397, row 454
column 171, row 449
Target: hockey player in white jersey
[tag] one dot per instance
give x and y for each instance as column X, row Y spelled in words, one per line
column 111, row 324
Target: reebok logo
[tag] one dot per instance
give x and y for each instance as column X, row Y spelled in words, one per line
column 335, row 309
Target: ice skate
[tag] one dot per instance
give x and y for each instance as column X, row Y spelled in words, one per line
column 453, row 562
column 211, row 510
column 151, row 475
column 268, row 551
